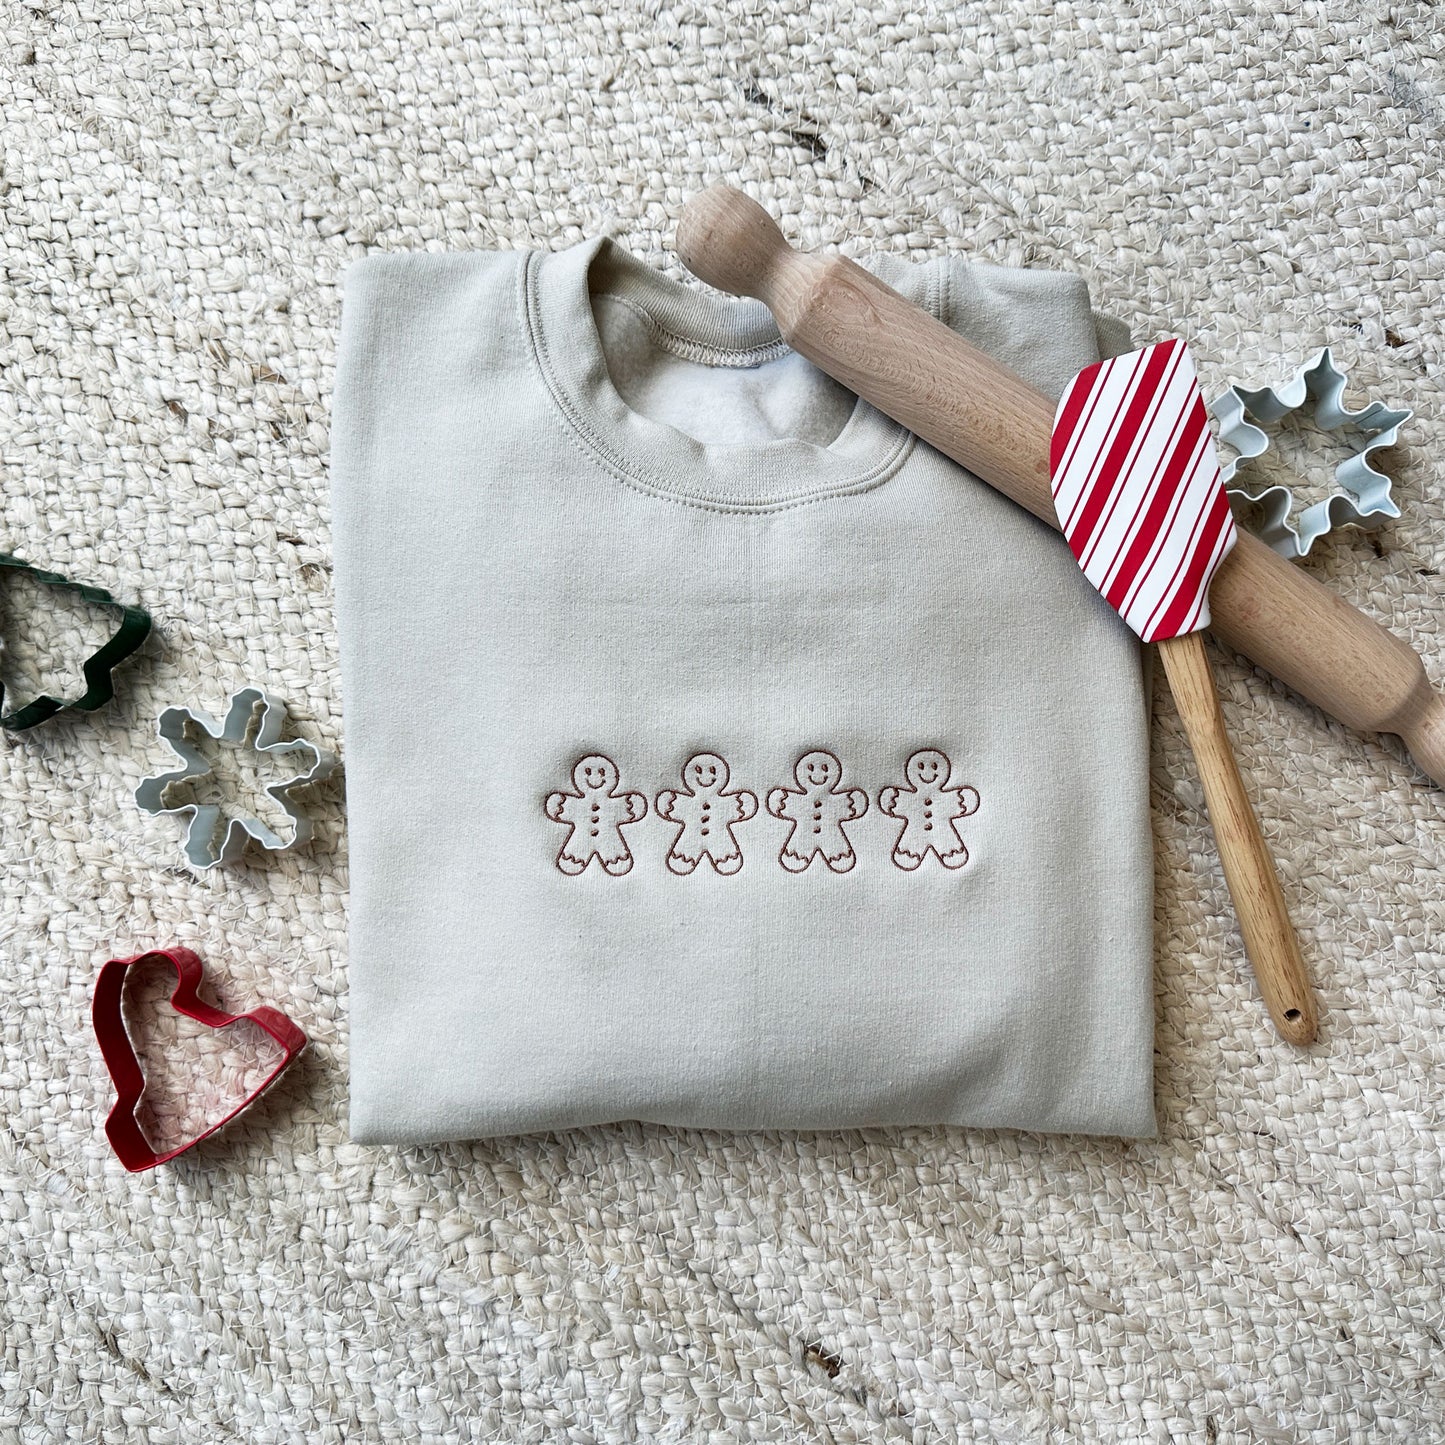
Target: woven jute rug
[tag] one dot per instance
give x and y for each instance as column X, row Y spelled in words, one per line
column 182, row 187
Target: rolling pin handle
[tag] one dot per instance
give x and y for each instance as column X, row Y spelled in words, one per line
column 728, row 240
column 1422, row 731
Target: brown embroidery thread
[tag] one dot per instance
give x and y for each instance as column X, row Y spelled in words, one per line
column 597, row 813
column 929, row 811
column 817, row 808
column 705, row 815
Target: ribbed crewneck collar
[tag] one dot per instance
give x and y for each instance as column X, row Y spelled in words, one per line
column 706, row 327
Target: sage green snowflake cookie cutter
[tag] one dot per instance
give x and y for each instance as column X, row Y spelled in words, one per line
column 213, row 837
column 132, row 630
column 1362, row 495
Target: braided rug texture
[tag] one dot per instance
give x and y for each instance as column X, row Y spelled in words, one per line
column 182, row 187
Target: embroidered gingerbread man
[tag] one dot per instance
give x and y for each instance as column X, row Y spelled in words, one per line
column 705, row 814
column 817, row 808
column 597, row 812
column 930, row 809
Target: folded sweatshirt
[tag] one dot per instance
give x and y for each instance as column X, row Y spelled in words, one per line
column 718, row 753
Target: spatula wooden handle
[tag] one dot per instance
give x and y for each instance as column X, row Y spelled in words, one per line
column 957, row 397
column 1269, row 939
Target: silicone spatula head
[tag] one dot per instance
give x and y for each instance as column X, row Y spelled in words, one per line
column 1137, row 487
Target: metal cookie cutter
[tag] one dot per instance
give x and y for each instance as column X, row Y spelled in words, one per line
column 122, row 1128
column 134, row 628
column 1362, row 496
column 207, row 841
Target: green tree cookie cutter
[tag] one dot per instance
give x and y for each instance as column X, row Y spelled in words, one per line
column 135, row 626
column 1362, row 493
column 212, row 838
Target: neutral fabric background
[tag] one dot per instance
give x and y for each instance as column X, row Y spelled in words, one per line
column 181, row 188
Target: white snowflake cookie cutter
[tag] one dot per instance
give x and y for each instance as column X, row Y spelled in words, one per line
column 1362, row 494
column 213, row 838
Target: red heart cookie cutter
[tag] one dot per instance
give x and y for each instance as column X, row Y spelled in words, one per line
column 132, row 1147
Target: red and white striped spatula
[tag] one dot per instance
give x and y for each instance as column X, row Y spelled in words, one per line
column 1137, row 487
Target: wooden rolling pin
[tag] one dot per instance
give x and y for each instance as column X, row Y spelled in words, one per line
column 960, row 400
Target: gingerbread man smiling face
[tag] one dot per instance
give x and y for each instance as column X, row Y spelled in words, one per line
column 595, row 774
column 819, row 769
column 706, row 773
column 927, row 767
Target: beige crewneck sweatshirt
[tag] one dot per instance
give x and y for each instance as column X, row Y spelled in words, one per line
column 718, row 754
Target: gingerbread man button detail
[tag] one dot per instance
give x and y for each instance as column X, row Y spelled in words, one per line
column 929, row 809
column 817, row 808
column 705, row 814
column 597, row 813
